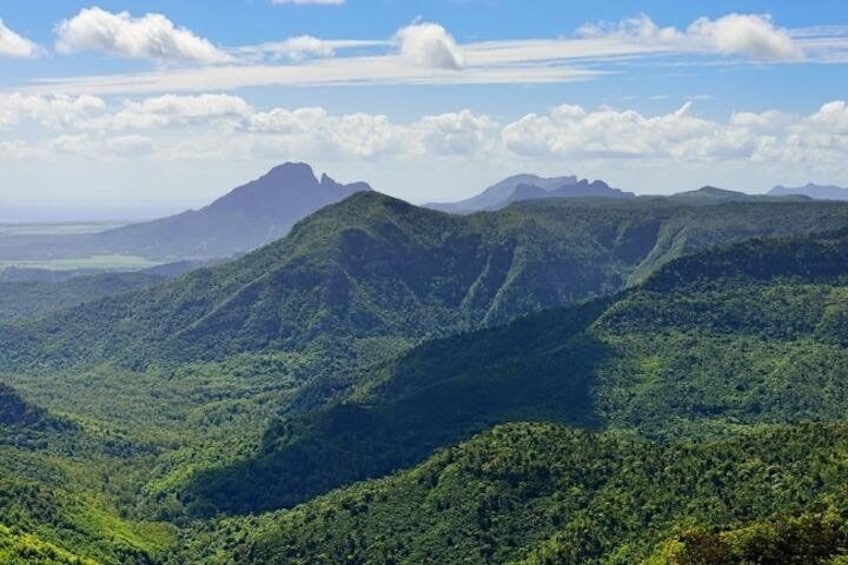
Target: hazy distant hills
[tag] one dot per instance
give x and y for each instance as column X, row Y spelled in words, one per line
column 815, row 191
column 530, row 187
column 521, row 188
column 246, row 218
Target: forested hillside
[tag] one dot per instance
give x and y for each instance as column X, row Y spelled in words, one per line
column 538, row 493
column 686, row 359
column 31, row 299
column 713, row 343
column 376, row 273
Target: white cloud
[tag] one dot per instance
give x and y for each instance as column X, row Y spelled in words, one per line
column 303, row 46
column 457, row 134
column 430, row 45
column 53, row 111
column 323, row 72
column 152, row 36
column 172, row 110
column 423, row 158
column 607, row 133
column 570, row 132
column 767, row 120
column 746, row 34
column 310, row 2
column 213, row 126
column 99, row 147
column 15, row 45
column 750, row 35
column 426, row 53
column 314, row 131
column 823, row 44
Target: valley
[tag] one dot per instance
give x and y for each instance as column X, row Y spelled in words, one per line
column 564, row 380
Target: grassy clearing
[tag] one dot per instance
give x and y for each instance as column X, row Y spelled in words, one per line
column 99, row 262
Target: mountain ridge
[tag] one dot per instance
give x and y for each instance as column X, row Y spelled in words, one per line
column 621, row 363
column 812, row 190
column 247, row 217
column 374, row 266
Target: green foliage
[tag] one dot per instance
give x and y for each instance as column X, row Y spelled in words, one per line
column 267, row 381
column 36, row 298
column 49, row 525
column 539, row 493
column 374, row 267
column 704, row 357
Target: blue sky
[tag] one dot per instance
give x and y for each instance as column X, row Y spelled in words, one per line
column 137, row 108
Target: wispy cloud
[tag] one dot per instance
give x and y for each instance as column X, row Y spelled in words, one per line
column 824, row 44
column 152, row 36
column 750, row 35
column 426, row 53
column 15, row 45
column 302, row 47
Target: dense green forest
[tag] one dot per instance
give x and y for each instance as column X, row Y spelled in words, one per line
column 539, row 493
column 31, row 299
column 563, row 381
column 372, row 272
column 709, row 345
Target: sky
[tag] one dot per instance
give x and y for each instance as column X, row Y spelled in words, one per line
column 136, row 109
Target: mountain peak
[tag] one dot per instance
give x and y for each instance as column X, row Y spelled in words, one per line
column 812, row 190
column 247, row 217
column 292, row 172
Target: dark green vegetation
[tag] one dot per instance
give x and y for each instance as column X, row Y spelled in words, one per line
column 538, row 493
column 712, row 343
column 372, row 273
column 30, row 299
column 337, row 354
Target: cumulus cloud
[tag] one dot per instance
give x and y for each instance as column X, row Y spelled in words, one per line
column 173, row 110
column 152, row 36
column 680, row 136
column 607, row 133
column 15, row 45
column 750, row 35
column 53, row 111
column 214, row 125
column 313, row 130
column 90, row 146
column 456, row 134
column 430, row 45
column 747, row 34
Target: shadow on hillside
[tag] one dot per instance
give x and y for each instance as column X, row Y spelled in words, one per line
column 538, row 369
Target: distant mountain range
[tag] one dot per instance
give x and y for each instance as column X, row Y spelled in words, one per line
column 265, row 209
column 521, row 188
column 814, row 191
column 244, row 219
column 530, row 187
column 248, row 217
